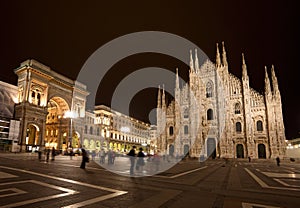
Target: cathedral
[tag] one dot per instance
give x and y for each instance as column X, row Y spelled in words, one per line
column 219, row 115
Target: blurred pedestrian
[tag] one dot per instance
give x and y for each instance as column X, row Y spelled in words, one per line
column 156, row 160
column 71, row 154
column 278, row 161
column 249, row 158
column 132, row 155
column 52, row 153
column 85, row 159
column 47, row 155
column 102, row 156
column 140, row 161
column 40, row 155
column 113, row 157
column 93, row 155
column 109, row 157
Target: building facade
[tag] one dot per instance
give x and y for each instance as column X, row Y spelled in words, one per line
column 47, row 109
column 119, row 131
column 217, row 114
column 9, row 127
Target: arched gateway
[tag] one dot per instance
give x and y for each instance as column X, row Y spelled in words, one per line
column 44, row 97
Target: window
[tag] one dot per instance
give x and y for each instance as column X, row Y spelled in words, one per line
column 98, row 131
column 85, row 129
column 259, row 126
column 186, row 129
column 209, row 90
column 186, row 113
column 171, row 130
column 237, row 108
column 210, row 115
column 238, row 127
column 39, row 99
column 91, row 130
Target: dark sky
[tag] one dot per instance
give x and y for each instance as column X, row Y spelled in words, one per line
column 63, row 34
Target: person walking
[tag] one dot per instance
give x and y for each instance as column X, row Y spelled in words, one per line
column 140, row 161
column 71, row 154
column 53, row 154
column 278, row 161
column 85, row 159
column 102, row 156
column 132, row 155
column 109, row 157
column 47, row 155
column 156, row 160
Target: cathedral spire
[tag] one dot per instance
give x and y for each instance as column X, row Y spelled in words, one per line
column 267, row 83
column 191, row 61
column 159, row 98
column 177, row 79
column 196, row 61
column 224, row 58
column 218, row 58
column 274, row 81
column 244, row 67
column 163, row 99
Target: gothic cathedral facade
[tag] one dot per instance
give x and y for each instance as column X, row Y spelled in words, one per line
column 217, row 114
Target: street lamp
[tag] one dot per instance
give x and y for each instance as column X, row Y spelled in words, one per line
column 71, row 115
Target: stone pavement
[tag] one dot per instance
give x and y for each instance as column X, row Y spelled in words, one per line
column 27, row 182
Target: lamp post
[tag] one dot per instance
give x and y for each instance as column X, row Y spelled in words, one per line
column 70, row 114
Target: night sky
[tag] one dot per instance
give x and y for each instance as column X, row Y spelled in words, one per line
column 63, row 34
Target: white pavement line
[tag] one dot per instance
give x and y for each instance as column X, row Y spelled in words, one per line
column 264, row 185
column 258, row 180
column 285, row 184
column 115, row 191
column 180, row 174
column 21, row 203
column 250, row 205
column 282, row 175
column 64, row 179
column 7, row 175
column 94, row 200
column 15, row 190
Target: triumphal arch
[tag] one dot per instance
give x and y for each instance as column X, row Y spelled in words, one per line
column 51, row 108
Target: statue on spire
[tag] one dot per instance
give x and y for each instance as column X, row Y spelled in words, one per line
column 224, row 58
column 159, row 98
column 191, row 61
column 196, row 61
column 177, row 79
column 267, row 83
column 244, row 67
column 274, row 82
column 218, row 58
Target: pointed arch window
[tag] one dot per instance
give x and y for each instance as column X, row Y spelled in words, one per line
column 171, row 130
column 238, row 127
column 186, row 129
column 186, row 113
column 259, row 126
column 209, row 90
column 237, row 108
column 210, row 114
